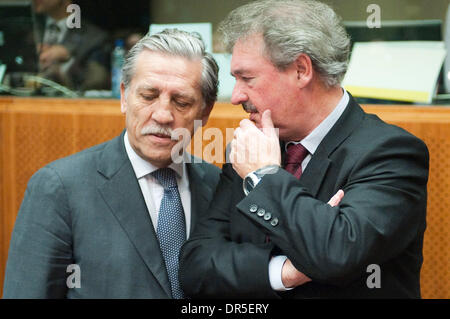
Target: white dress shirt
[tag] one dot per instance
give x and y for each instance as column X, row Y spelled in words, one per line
column 311, row 143
column 152, row 191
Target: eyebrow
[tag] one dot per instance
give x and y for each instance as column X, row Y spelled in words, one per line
column 237, row 72
column 240, row 72
column 186, row 97
column 147, row 88
column 150, row 89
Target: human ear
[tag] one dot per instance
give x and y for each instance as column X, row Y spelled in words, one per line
column 304, row 69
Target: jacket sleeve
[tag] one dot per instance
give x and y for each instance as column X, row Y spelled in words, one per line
column 212, row 265
column 381, row 213
column 41, row 244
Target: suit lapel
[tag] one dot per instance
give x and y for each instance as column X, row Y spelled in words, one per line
column 201, row 193
column 122, row 194
column 315, row 172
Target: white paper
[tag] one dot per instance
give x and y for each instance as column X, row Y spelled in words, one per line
column 226, row 81
column 396, row 66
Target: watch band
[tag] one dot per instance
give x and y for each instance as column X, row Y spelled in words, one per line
column 253, row 178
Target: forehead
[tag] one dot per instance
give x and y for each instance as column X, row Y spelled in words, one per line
column 165, row 71
column 248, row 54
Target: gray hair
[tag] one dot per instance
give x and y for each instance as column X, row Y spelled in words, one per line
column 290, row 28
column 178, row 43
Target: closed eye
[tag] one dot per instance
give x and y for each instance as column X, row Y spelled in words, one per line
column 241, row 75
column 148, row 97
column 182, row 104
column 182, row 100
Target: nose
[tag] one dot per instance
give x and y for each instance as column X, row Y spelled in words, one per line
column 238, row 96
column 162, row 113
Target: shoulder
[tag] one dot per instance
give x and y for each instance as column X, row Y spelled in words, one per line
column 93, row 30
column 369, row 129
column 368, row 132
column 88, row 36
column 377, row 131
column 377, row 148
column 82, row 158
column 76, row 166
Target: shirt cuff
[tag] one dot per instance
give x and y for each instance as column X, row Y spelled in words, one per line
column 275, row 268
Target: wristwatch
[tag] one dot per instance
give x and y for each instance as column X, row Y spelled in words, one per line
column 253, row 178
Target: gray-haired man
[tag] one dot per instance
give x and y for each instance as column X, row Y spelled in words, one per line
column 273, row 230
column 119, row 212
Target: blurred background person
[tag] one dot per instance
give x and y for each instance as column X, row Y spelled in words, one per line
column 77, row 58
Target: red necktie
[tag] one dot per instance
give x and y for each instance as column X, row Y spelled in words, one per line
column 295, row 155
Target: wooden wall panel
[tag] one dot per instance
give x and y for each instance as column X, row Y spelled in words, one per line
column 432, row 125
column 435, row 276
column 34, row 132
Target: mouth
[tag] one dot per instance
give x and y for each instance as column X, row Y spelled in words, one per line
column 160, row 135
column 253, row 116
column 162, row 139
column 251, row 109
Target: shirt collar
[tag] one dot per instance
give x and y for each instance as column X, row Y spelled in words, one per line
column 142, row 167
column 60, row 23
column 312, row 140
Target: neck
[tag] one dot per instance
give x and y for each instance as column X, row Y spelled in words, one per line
column 320, row 101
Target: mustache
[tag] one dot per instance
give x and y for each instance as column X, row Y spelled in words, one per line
column 249, row 107
column 156, row 129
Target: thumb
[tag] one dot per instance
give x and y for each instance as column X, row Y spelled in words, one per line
column 266, row 123
column 266, row 119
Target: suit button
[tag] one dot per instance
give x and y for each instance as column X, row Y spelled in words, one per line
column 261, row 212
column 267, row 216
column 253, row 208
column 274, row 222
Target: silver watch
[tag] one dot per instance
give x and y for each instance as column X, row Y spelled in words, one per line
column 253, row 178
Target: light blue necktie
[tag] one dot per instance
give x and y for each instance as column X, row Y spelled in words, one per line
column 171, row 229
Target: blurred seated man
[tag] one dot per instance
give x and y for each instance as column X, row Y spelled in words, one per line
column 67, row 55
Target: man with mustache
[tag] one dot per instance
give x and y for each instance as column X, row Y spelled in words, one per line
column 273, row 231
column 120, row 211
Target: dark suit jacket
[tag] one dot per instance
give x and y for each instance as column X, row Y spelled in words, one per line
column 88, row 209
column 383, row 171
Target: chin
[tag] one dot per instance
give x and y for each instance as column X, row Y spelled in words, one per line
column 159, row 161
column 157, row 156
